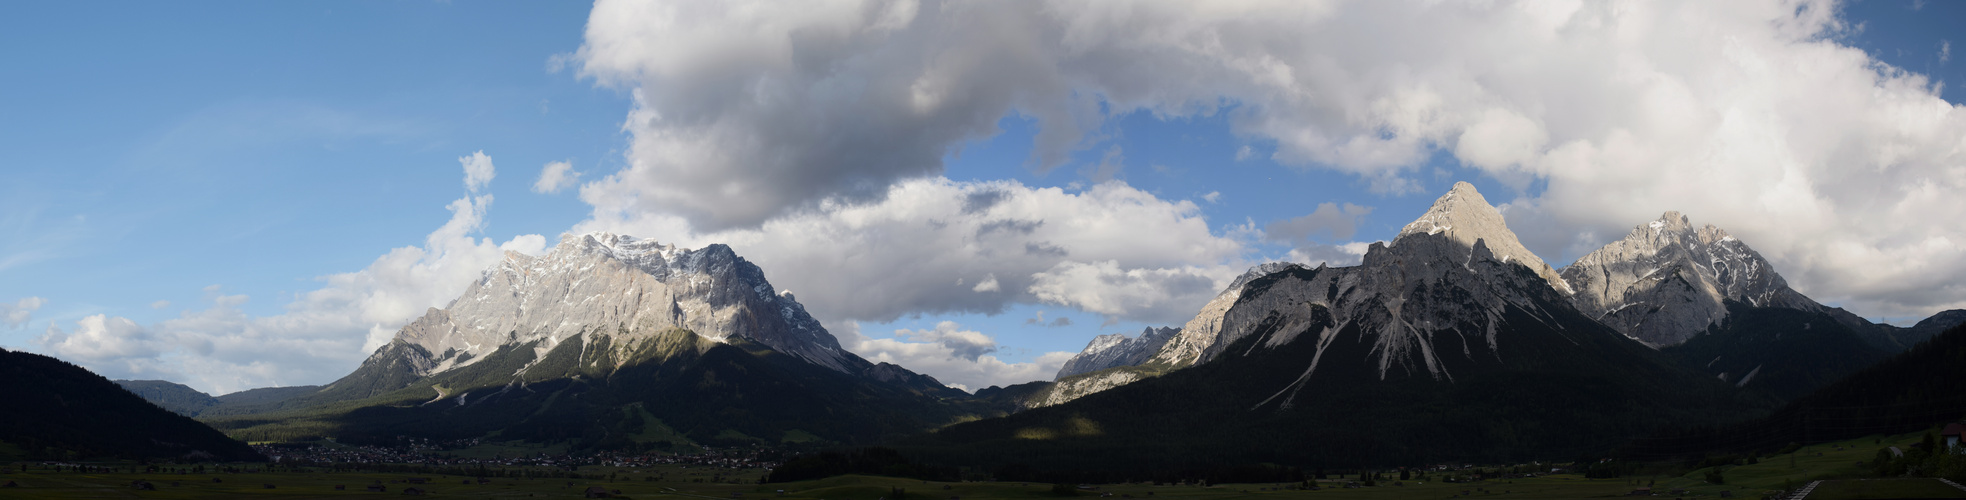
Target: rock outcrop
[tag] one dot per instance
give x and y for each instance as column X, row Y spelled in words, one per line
column 1199, row 333
column 1113, row 349
column 1667, row 281
column 1080, row 385
column 627, row 289
column 1446, row 293
column 1463, row 217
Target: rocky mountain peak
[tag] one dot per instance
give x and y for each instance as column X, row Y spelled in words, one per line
column 1668, row 280
column 1463, row 216
column 1186, row 346
column 1454, row 294
column 1672, row 221
column 1114, row 349
column 619, row 285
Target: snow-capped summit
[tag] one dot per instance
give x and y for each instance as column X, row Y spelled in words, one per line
column 626, row 288
column 1667, row 281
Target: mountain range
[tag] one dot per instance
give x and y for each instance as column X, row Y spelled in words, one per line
column 616, row 342
column 1701, row 296
column 1451, row 342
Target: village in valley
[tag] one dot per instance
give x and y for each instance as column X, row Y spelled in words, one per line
column 1837, row 470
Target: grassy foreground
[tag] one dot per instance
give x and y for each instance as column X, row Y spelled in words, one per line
column 677, row 485
column 675, row 482
column 1836, row 463
column 1863, row 489
column 296, row 485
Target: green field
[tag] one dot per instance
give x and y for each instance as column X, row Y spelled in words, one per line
column 1861, row 489
column 678, row 485
column 1826, row 461
column 1836, row 463
column 677, row 482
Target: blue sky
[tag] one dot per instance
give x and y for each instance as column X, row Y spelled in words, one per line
column 152, row 151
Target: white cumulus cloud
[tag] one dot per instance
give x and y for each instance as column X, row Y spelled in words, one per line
column 931, row 245
column 100, row 338
column 1751, row 115
column 751, row 110
column 989, row 284
column 1330, row 219
column 958, row 358
column 1168, row 295
column 478, row 170
column 1334, row 255
column 555, row 177
column 965, row 344
column 323, row 334
column 15, row 315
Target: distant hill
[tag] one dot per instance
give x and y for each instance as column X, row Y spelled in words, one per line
column 1912, row 390
column 1893, row 338
column 178, row 398
column 1782, row 352
column 265, row 395
column 54, row 410
column 183, row 400
column 670, row 391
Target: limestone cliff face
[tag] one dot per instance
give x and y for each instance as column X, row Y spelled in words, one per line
column 1438, row 297
column 1463, row 217
column 1448, row 294
column 1111, row 350
column 1451, row 271
column 611, row 292
column 1081, row 385
column 619, row 285
column 1667, row 281
column 1199, row 333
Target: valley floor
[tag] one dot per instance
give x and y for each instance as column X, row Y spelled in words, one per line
column 1841, row 465
column 296, row 485
column 1837, row 464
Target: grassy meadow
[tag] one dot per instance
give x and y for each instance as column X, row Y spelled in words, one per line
column 1836, row 463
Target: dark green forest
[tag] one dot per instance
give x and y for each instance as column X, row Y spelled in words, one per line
column 1910, row 391
column 1552, row 399
column 670, row 393
column 58, row 411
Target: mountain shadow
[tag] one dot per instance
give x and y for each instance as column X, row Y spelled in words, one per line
column 58, row 411
column 1785, row 353
column 613, row 342
column 1909, row 391
column 671, row 391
